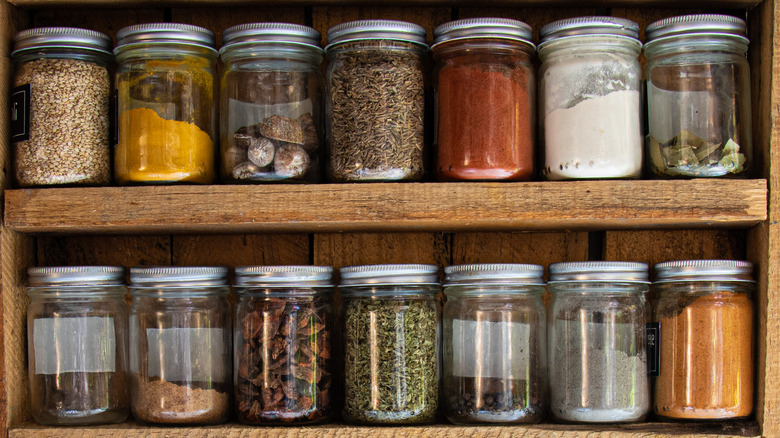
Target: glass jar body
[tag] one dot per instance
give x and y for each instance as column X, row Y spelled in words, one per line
column 494, row 354
column 597, row 343
column 77, row 355
column 485, row 95
column 591, row 107
column 167, row 123
column 706, row 366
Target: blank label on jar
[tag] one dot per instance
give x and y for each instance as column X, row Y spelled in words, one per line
column 74, row 345
column 187, row 354
column 490, row 349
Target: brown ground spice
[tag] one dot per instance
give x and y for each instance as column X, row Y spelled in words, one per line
column 165, row 402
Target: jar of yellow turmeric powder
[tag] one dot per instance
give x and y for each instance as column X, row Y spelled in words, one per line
column 165, row 103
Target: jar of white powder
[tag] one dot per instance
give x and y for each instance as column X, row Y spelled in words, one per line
column 597, row 342
column 590, row 105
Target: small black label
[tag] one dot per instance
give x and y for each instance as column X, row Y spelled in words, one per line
column 653, row 334
column 20, row 113
column 113, row 118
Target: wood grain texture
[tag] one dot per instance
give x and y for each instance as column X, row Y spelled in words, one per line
column 127, row 251
column 12, row 20
column 106, row 20
column 217, row 19
column 653, row 246
column 339, row 250
column 241, row 250
column 326, row 17
column 538, row 248
column 6, row 174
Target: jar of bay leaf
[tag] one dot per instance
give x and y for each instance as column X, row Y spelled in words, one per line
column 77, row 345
column 391, row 343
column 271, row 103
column 375, row 102
column 165, row 100
column 698, row 97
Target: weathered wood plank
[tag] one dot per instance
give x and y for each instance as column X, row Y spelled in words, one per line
column 241, row 250
column 340, row 250
column 654, row 246
column 108, row 21
column 538, row 248
column 217, row 19
column 124, row 251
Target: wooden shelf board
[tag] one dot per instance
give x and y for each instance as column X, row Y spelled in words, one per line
column 388, row 207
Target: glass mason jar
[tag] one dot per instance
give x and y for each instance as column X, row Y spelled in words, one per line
column 495, row 353
column 180, row 345
column 391, row 343
column 59, row 107
column 284, row 360
column 597, row 342
column 485, row 95
column 698, row 97
column 704, row 313
column 77, row 345
column 165, row 99
column 375, row 103
column 271, row 103
column 591, row 100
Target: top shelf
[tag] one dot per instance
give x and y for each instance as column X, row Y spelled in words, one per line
column 744, row 4
column 582, row 205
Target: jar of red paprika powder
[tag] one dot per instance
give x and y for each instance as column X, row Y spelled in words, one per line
column 484, row 104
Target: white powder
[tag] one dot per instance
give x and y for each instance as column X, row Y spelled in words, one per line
column 596, row 138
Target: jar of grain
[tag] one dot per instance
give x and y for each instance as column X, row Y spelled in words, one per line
column 59, row 107
column 284, row 360
column 375, row 103
column 698, row 97
column 271, row 103
column 165, row 99
column 597, row 342
column 495, row 362
column 485, row 91
column 704, row 313
column 590, row 84
column 77, row 345
column 391, row 344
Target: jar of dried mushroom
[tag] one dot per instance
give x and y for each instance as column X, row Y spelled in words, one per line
column 704, row 316
column 59, row 107
column 284, row 360
column 495, row 362
column 165, row 98
column 597, row 346
column 375, row 102
column 590, row 89
column 77, row 345
column 271, row 103
column 391, row 343
column 698, row 97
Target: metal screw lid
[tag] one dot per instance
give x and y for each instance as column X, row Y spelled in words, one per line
column 700, row 23
column 704, row 270
column 403, row 274
column 76, row 276
column 165, row 33
column 173, row 276
column 503, row 28
column 376, row 30
column 589, row 26
column 623, row 272
column 270, row 32
column 495, row 273
column 61, row 37
column 284, row 276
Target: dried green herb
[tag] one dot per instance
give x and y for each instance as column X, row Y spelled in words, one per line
column 689, row 155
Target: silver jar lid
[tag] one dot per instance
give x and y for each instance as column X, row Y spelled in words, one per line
column 284, row 276
column 61, row 38
column 176, row 276
column 376, row 30
column 270, row 32
column 404, row 274
column 621, row 272
column 502, row 28
column 165, row 33
column 716, row 24
column 704, row 270
column 589, row 26
column 494, row 273
column 76, row 276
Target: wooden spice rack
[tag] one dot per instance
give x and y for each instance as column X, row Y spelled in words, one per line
column 441, row 223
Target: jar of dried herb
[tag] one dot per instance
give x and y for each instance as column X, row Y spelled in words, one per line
column 284, row 361
column 597, row 331
column 77, row 345
column 704, row 313
column 485, row 91
column 698, row 97
column 271, row 103
column 391, row 343
column 165, row 98
column 180, row 345
column 375, row 103
column 494, row 357
column 59, row 107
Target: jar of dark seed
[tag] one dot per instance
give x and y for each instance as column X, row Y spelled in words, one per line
column 271, row 103
column 375, row 102
column 284, row 361
column 180, row 333
column 59, row 107
column 77, row 345
column 391, row 344
column 495, row 366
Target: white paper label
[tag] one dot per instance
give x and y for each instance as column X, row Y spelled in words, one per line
column 74, row 345
column 186, row 354
column 247, row 114
column 490, row 349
